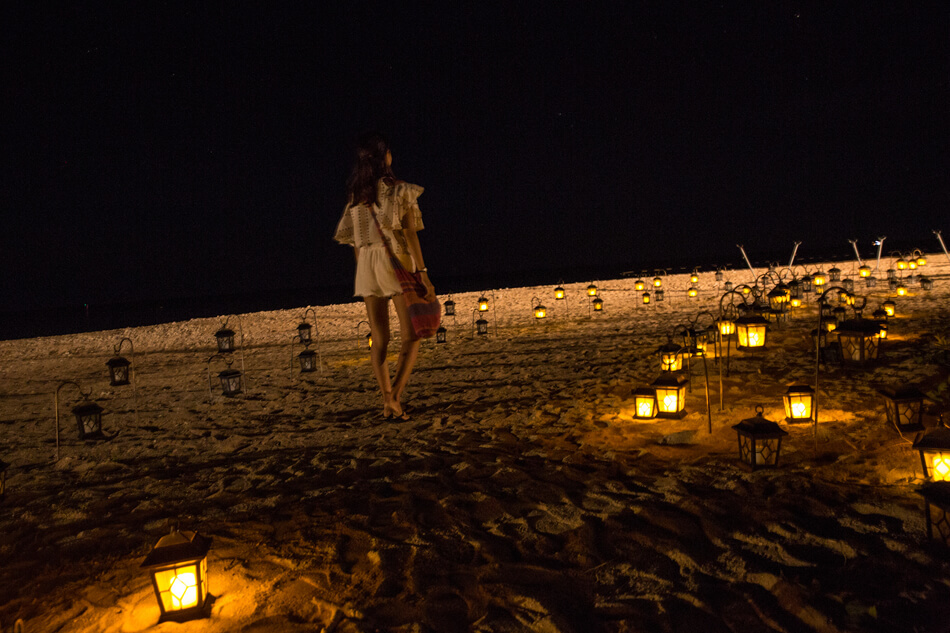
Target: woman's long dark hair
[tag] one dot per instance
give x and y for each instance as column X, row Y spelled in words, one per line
column 370, row 167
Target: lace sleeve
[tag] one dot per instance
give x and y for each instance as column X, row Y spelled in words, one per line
column 344, row 229
column 406, row 197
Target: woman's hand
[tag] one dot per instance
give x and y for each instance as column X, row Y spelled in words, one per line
column 430, row 289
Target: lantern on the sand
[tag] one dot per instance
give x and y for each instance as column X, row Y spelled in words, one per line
column 904, row 407
column 760, row 441
column 799, row 401
column 670, row 395
column 178, row 565
column 644, row 403
column 859, row 340
column 934, row 449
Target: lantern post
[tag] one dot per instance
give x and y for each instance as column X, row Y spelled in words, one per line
column 88, row 414
column 122, row 372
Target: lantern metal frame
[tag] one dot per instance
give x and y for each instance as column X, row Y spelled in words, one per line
column 904, row 407
column 226, row 376
column 756, row 430
column 936, row 497
column 181, row 550
column 449, row 306
column 441, row 335
column 720, row 274
column 85, row 393
column 595, row 303
column 671, row 381
column 314, row 359
column 648, row 395
column 592, row 290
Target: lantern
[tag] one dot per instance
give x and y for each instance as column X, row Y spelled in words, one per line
column 592, row 290
column 178, row 565
column 727, row 286
column 796, row 302
column 644, row 403
column 118, row 371
column 859, row 340
column 719, row 275
column 671, row 357
column 934, row 449
column 308, row 361
column 692, row 293
column 834, row 274
column 304, row 333
column 777, row 299
column 440, row 335
column 751, row 331
column 848, row 284
column 806, row 284
column 598, row 304
column 670, row 395
column 3, row 477
column 904, row 407
column 882, row 329
column 659, row 294
column 230, row 382
column 559, row 293
column 901, row 264
column 482, row 304
column 890, row 308
column 481, row 326
column 746, row 290
column 871, row 282
column 89, row 419
column 540, row 311
column 225, row 339
column 799, row 401
column 901, row 290
column 646, row 298
column 449, row 308
column 657, row 282
column 369, row 340
column 639, row 285
column 937, row 510
column 891, row 273
column 694, row 278
column 760, row 441
column 912, row 264
column 921, row 261
column 864, row 271
column 926, row 283
column 818, row 281
column 727, row 327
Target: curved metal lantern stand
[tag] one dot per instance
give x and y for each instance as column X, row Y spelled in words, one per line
column 117, row 350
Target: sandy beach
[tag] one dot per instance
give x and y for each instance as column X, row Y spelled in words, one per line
column 522, row 495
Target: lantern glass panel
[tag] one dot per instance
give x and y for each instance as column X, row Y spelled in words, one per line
column 482, row 326
column 178, row 565
column 645, row 404
column 671, row 361
column 440, row 335
column 308, row 361
column 726, row 327
column 182, row 586
column 798, row 401
column 751, row 335
column 230, row 381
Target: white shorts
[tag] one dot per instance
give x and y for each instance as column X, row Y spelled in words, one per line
column 374, row 273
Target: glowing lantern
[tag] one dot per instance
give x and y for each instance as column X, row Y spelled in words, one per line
column 230, row 381
column 901, row 290
column 834, row 274
column 657, row 282
column 727, row 327
column 225, row 338
column 89, row 419
column 308, row 361
column 912, row 264
column 659, row 294
column 639, row 285
column 921, row 261
column 540, row 311
column 926, row 283
column 482, row 304
column 559, row 293
column 746, row 290
column 760, row 441
column 592, row 290
column 864, row 271
column 796, row 302
column 818, row 281
column 304, row 331
column 751, row 330
column 859, row 340
column 369, row 340
column 644, row 403
column 118, row 371
column 727, row 286
column 670, row 395
column 178, row 565
column 777, row 299
column 671, row 356
column 646, row 298
column 799, row 401
column 450, row 308
column 882, row 329
column 692, row 293
column 937, row 510
column 890, row 308
column 694, row 278
column 481, row 326
column 934, row 449
column 901, row 264
column 440, row 335
column 904, row 407
column 598, row 304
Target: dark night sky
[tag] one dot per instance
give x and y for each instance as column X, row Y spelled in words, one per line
column 154, row 150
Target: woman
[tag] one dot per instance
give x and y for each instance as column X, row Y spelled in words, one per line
column 372, row 189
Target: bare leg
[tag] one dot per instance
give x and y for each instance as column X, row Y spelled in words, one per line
column 377, row 311
column 409, row 349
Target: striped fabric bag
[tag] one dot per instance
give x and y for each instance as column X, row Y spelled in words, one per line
column 425, row 313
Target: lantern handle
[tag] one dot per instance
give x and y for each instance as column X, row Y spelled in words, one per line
column 309, row 310
column 368, row 327
column 759, row 410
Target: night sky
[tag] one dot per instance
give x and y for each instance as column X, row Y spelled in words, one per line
column 155, row 151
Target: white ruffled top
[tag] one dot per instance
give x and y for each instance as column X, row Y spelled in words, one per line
column 393, row 204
